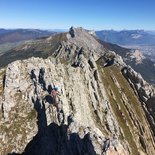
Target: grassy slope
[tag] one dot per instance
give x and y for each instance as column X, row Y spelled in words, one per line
column 40, row 48
column 146, row 69
column 16, row 127
column 119, row 106
column 8, row 46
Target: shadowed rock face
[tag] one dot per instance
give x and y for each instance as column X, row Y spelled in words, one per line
column 97, row 111
column 55, row 139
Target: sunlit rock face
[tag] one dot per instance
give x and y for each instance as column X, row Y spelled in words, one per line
column 96, row 111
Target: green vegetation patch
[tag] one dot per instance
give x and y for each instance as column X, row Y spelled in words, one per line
column 8, row 46
column 115, row 98
column 41, row 49
column 16, row 129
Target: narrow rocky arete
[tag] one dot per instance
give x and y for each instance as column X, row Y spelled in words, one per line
column 99, row 110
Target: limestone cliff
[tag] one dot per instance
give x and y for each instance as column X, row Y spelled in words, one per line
column 97, row 110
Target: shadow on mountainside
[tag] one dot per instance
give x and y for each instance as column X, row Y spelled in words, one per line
column 54, row 139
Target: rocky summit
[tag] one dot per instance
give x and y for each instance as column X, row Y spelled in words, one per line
column 73, row 97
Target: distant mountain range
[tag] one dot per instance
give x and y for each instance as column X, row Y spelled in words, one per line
column 10, row 38
column 15, row 35
column 124, row 37
column 136, row 59
column 127, row 37
column 133, row 39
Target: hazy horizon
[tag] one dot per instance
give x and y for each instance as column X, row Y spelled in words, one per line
column 62, row 29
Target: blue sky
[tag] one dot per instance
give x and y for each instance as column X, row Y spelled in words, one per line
column 90, row 14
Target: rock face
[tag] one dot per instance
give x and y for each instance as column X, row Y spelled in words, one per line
column 96, row 111
column 144, row 91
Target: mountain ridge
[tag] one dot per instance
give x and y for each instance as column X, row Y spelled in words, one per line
column 133, row 39
column 127, row 37
column 98, row 112
column 146, row 66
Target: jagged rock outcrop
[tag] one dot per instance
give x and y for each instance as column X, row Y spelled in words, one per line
column 97, row 111
column 144, row 91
